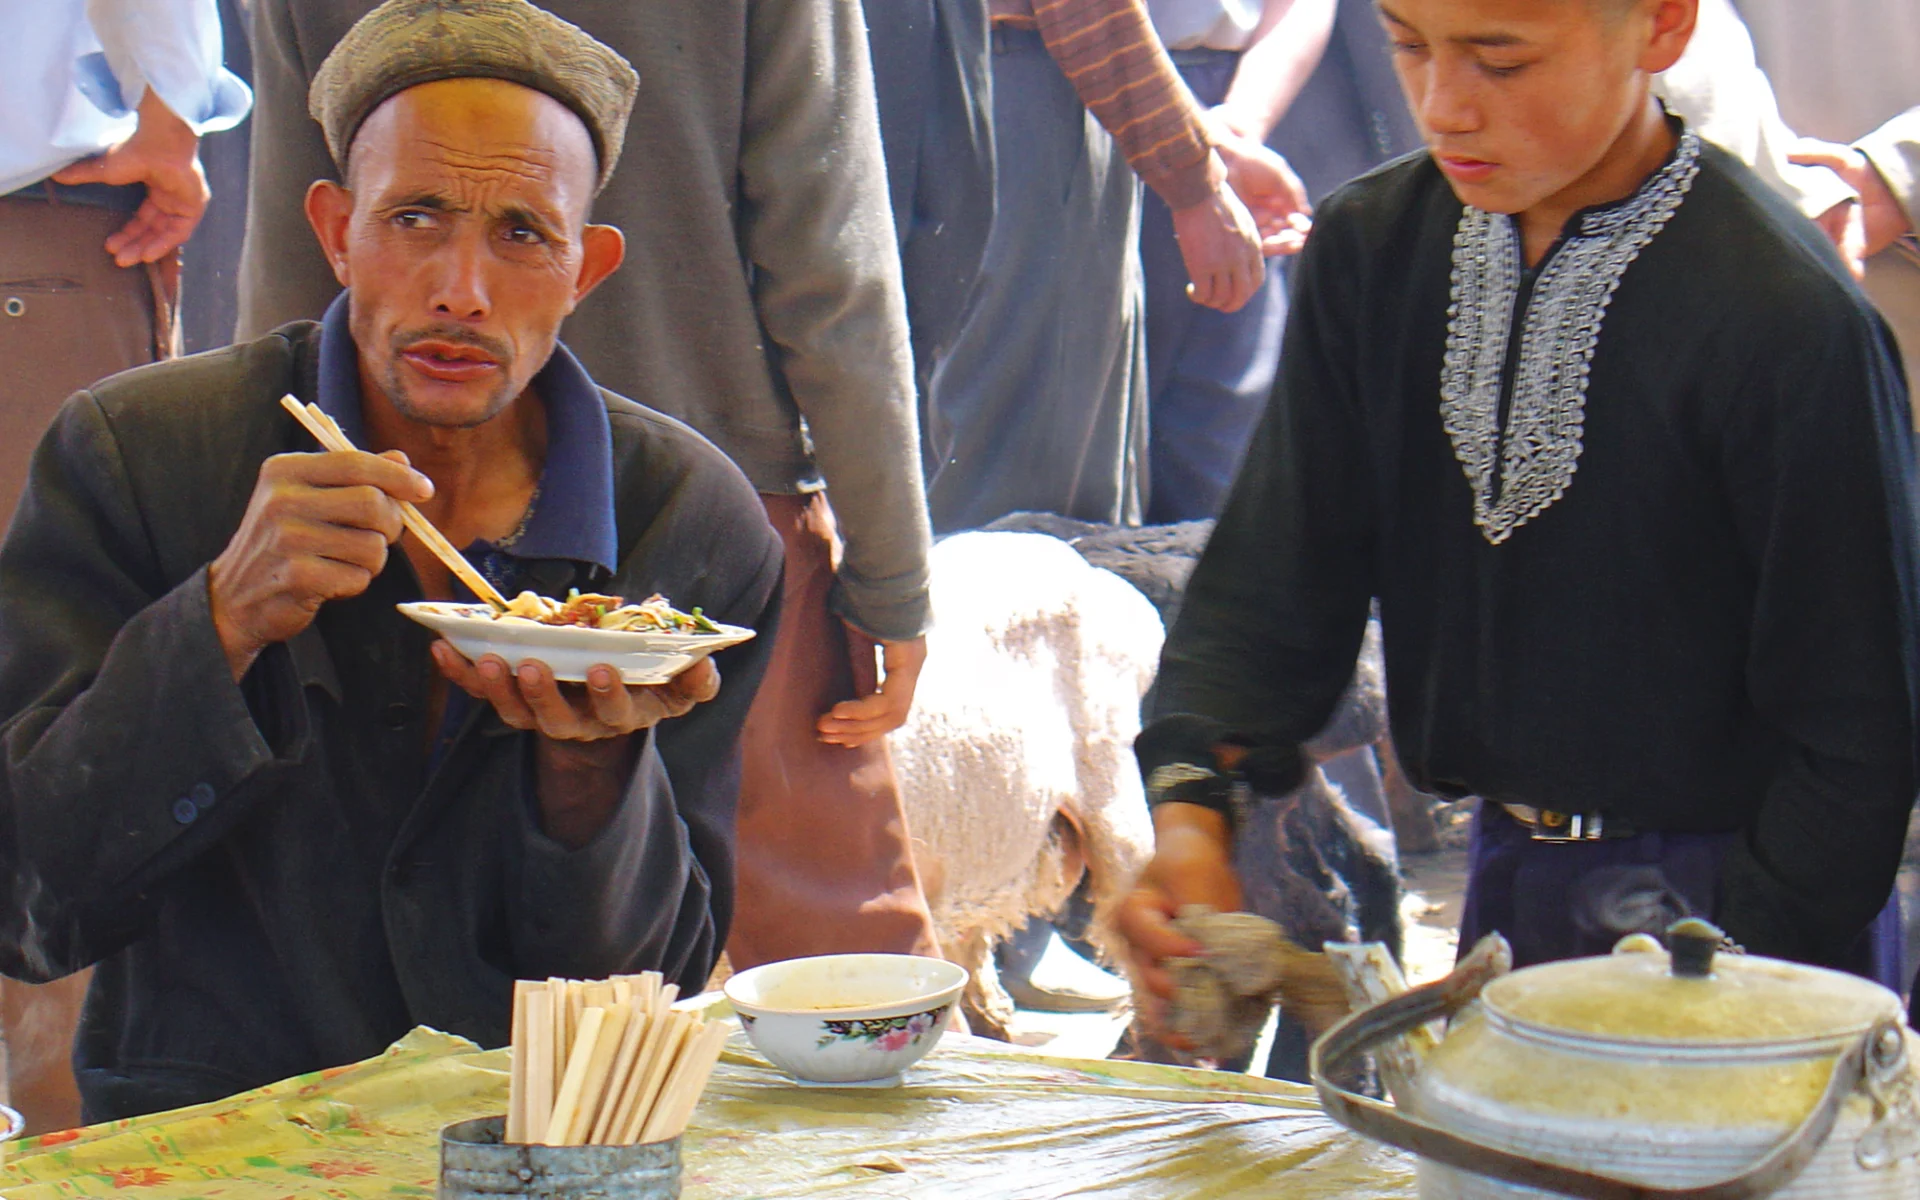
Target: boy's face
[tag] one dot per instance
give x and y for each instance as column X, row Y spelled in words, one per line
column 1520, row 100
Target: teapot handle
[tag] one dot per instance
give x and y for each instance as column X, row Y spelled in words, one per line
column 1443, row 998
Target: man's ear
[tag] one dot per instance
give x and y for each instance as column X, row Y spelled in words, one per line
column 602, row 249
column 1672, row 29
column 329, row 210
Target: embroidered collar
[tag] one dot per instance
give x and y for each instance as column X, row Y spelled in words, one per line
column 1547, row 414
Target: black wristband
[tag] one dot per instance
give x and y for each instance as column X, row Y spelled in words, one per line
column 1186, row 783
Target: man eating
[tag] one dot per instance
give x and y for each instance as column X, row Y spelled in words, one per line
column 285, row 822
column 1621, row 452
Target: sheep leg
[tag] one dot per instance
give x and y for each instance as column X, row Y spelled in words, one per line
column 1411, row 809
column 985, row 1004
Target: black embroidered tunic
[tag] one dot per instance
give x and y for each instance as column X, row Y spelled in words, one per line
column 1652, row 556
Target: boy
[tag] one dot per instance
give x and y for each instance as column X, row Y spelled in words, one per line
column 1621, row 452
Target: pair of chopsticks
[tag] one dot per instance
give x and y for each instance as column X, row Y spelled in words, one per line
column 327, row 432
column 605, row 1063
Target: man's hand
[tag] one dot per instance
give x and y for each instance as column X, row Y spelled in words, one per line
column 884, row 702
column 1220, row 244
column 1192, row 864
column 528, row 697
column 1866, row 228
column 164, row 154
column 1273, row 194
column 317, row 529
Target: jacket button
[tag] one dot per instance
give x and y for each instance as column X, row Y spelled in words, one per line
column 203, row 795
column 185, row 811
column 399, row 716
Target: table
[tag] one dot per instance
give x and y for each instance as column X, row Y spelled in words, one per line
column 976, row 1119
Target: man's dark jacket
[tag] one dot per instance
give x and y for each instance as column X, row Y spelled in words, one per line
column 269, row 875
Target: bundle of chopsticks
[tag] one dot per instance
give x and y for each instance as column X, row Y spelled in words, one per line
column 607, row 1062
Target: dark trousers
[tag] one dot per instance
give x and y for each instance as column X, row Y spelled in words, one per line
column 1209, row 373
column 1039, row 403
column 933, row 79
column 1555, row 900
column 68, row 318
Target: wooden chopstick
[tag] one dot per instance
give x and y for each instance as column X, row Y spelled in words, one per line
column 632, row 1071
column 328, row 434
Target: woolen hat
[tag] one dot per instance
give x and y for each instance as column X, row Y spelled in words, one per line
column 404, row 43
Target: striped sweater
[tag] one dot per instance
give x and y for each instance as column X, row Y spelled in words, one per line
column 1110, row 53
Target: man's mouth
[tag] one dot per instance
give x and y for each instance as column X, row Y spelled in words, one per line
column 449, row 362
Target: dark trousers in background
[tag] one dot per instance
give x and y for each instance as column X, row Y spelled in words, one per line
column 1209, row 373
column 68, row 317
column 933, row 78
column 1555, row 900
column 1040, row 402
column 824, row 862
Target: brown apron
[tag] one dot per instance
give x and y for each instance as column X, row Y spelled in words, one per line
column 68, row 317
column 825, row 865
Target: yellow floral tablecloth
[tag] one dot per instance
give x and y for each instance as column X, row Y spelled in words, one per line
column 975, row 1120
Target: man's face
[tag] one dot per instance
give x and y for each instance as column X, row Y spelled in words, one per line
column 463, row 242
column 1519, row 100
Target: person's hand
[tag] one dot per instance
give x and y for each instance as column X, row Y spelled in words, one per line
column 528, row 697
column 1876, row 221
column 164, row 154
column 1221, row 247
column 317, row 529
column 1844, row 229
column 1272, row 192
column 884, row 701
column 1192, row 864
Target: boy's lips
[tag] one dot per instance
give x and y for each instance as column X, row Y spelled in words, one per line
column 1465, row 168
column 449, row 362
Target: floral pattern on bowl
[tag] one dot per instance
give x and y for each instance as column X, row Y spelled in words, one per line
column 846, row 1020
column 889, row 1033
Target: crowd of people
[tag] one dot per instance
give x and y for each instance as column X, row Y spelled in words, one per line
column 1597, row 399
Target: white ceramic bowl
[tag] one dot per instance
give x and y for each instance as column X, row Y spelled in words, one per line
column 569, row 650
column 846, row 1020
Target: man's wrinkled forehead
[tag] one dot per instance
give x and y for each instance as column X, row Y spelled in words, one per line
column 481, row 131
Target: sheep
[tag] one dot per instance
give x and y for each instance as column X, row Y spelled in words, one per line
column 1017, row 771
column 1016, row 768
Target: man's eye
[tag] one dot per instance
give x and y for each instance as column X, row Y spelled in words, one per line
column 1503, row 70
column 1400, row 47
column 413, row 219
column 525, row 235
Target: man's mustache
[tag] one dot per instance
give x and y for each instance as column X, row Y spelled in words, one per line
column 454, row 335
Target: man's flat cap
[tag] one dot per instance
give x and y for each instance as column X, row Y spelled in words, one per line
column 404, row 43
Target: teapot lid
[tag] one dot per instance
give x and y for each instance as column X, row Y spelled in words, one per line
column 1643, row 993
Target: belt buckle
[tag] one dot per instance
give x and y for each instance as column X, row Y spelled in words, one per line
column 1551, row 826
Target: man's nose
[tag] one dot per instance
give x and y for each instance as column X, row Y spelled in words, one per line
column 460, row 280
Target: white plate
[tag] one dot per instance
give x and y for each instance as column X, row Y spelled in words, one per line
column 569, row 650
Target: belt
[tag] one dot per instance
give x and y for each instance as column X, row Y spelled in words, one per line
column 121, row 197
column 1549, row 825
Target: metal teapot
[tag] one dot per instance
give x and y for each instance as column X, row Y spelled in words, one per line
column 1643, row 1074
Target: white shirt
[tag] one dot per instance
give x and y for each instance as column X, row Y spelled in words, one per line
column 1205, row 24
column 73, row 71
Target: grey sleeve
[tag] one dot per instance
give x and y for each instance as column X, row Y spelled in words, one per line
column 819, row 233
column 125, row 745
column 283, row 275
column 1894, row 150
